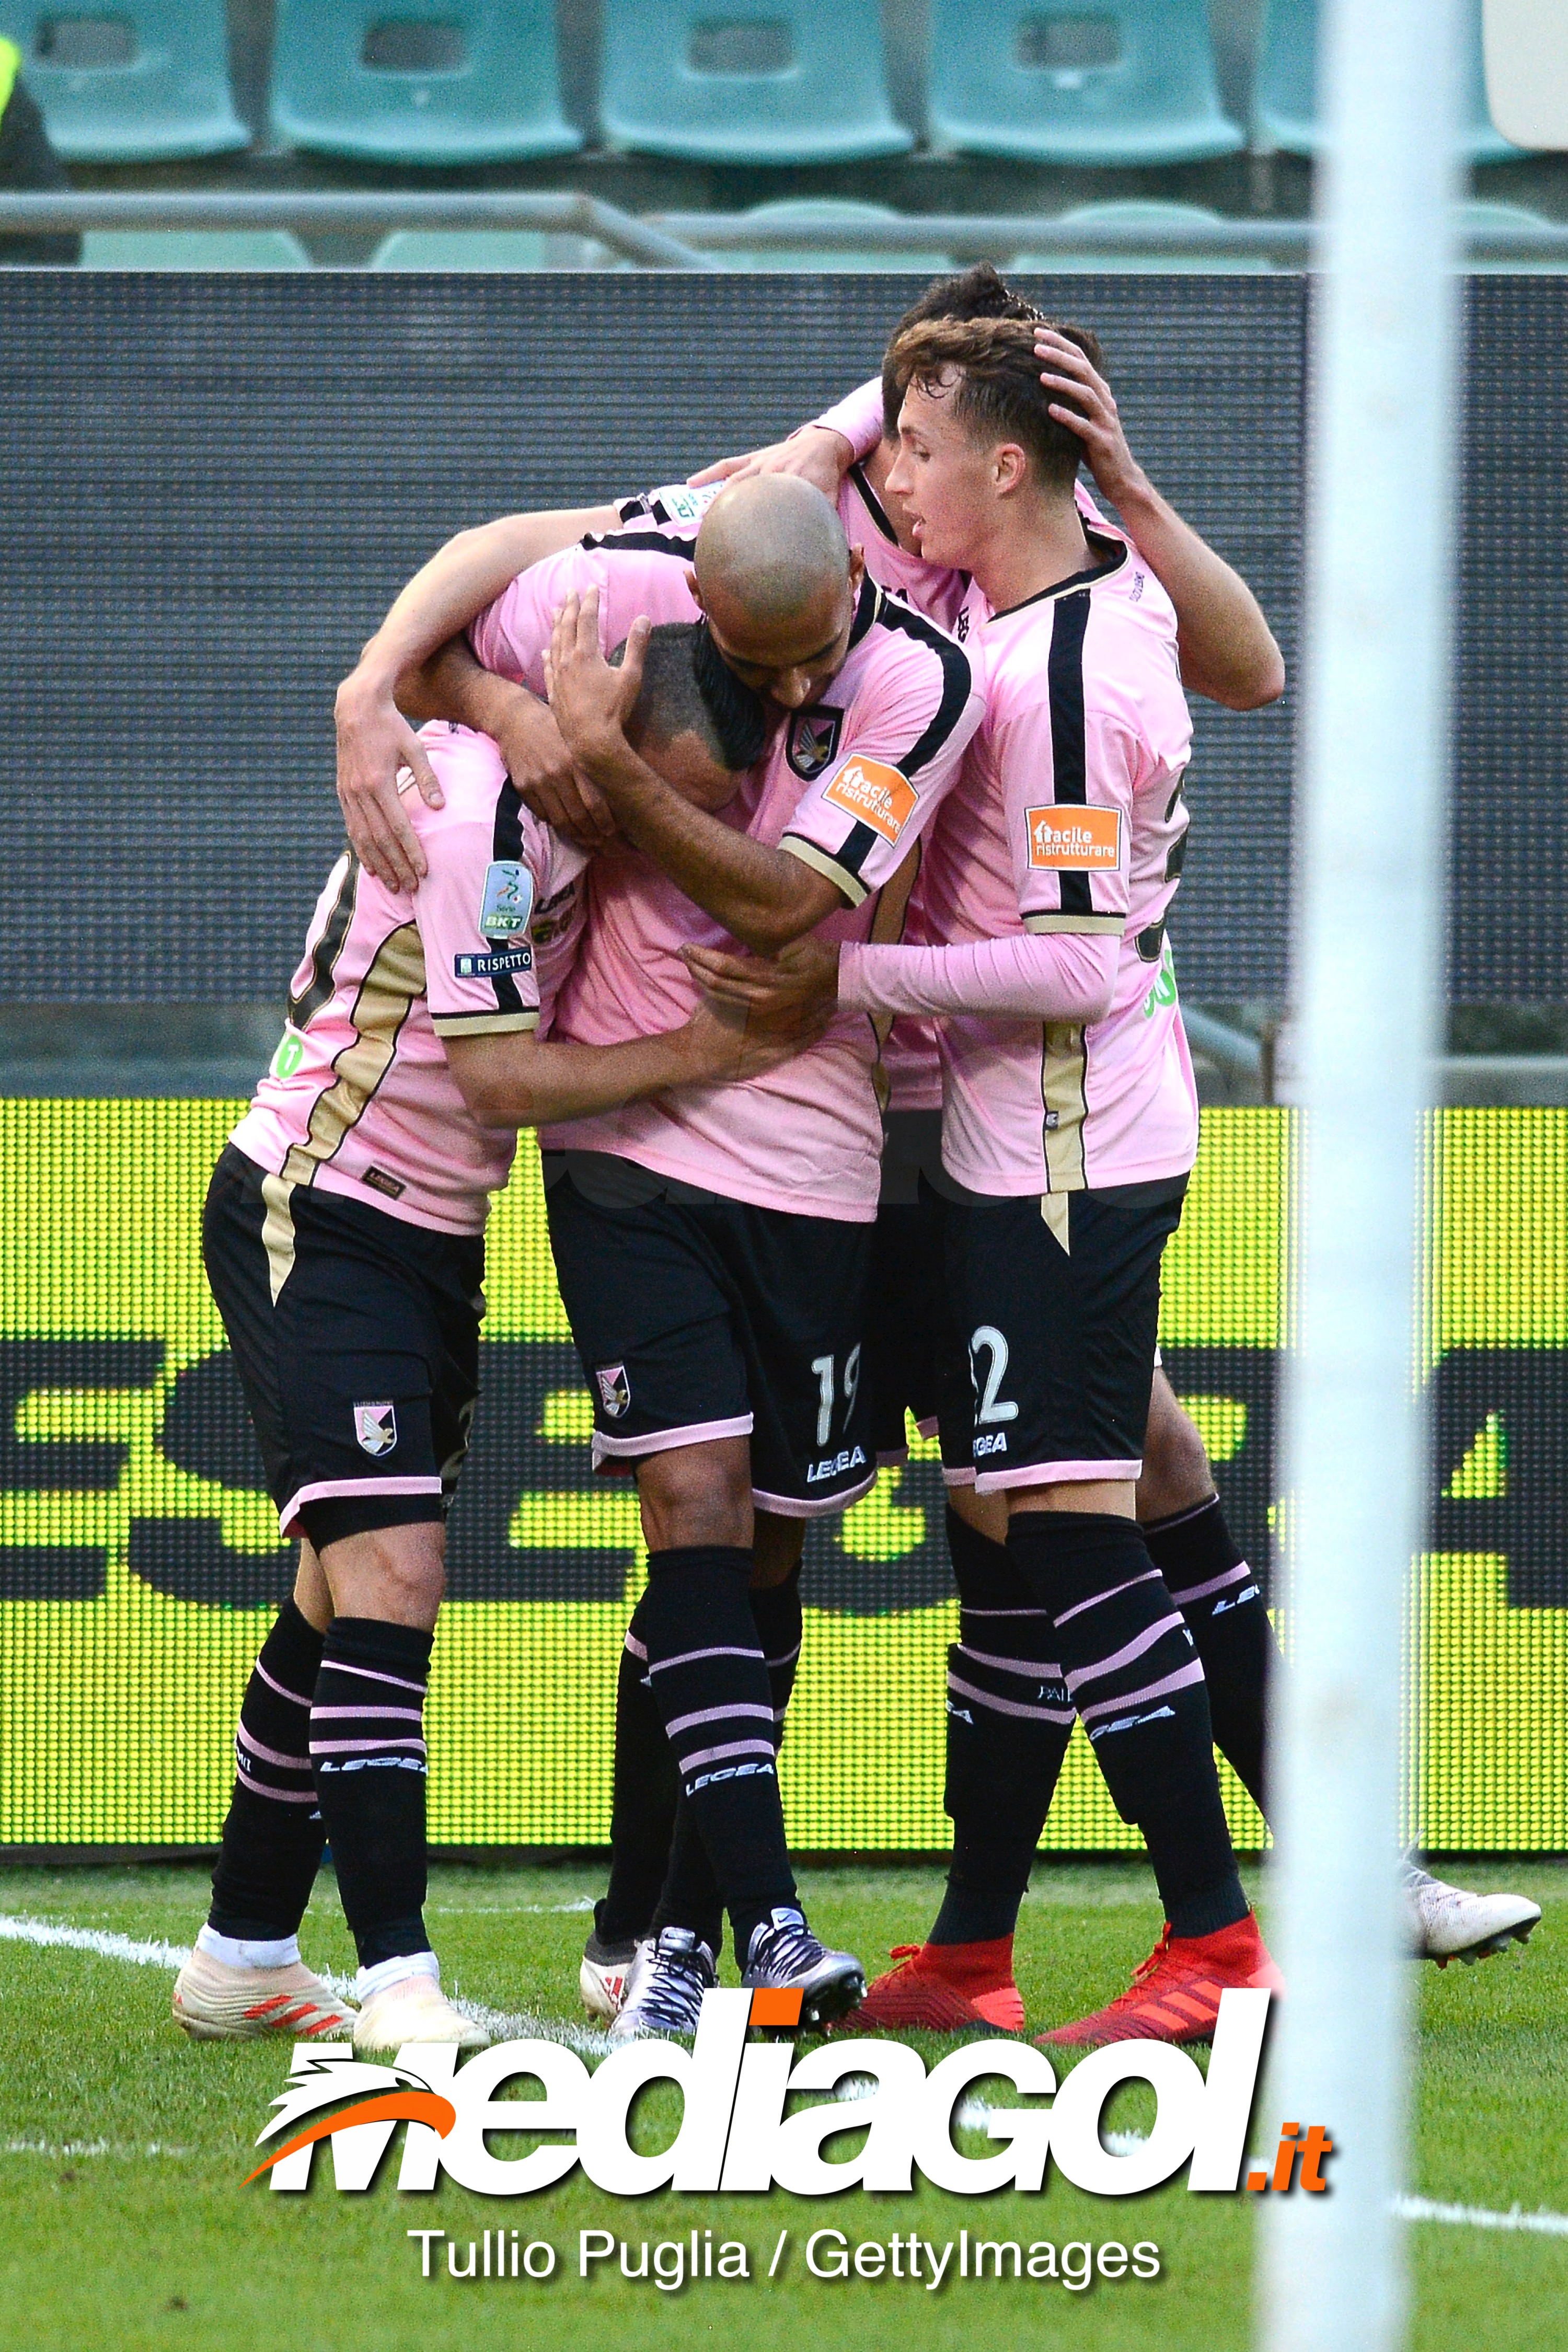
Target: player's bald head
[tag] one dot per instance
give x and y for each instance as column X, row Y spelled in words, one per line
column 776, row 581
column 774, row 546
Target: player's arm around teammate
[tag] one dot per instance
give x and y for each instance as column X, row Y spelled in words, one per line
column 343, row 1239
column 1069, row 1121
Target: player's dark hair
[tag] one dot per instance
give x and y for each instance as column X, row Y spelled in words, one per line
column 999, row 394
column 688, row 690
column 979, row 292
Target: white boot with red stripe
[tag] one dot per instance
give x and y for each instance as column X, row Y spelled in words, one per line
column 222, row 1999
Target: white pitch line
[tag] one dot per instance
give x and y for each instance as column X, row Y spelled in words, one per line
column 1476, row 2217
column 71, row 2150
column 505, row 2024
column 106, row 1946
column 524, row 2026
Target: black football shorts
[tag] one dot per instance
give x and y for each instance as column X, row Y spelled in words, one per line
column 698, row 1318
column 356, row 1339
column 1060, row 1342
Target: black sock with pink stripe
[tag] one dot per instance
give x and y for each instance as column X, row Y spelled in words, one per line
column 1222, row 1600
column 367, row 1744
column 273, row 1834
column 642, row 1799
column 689, row 1896
column 1135, row 1677
column 1009, row 1719
column 710, row 1682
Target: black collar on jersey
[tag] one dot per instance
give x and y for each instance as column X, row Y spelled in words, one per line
column 1118, row 556
column 865, row 612
column 872, row 503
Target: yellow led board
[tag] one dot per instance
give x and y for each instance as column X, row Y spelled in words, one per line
column 140, row 1561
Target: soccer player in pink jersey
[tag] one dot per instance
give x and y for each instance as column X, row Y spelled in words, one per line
column 1069, row 1119
column 343, row 1239
column 963, row 1975
column 712, row 1254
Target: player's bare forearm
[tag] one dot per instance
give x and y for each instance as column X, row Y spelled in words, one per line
column 461, row 578
column 1227, row 649
column 764, row 896
column 761, row 896
column 519, row 1080
column 455, row 684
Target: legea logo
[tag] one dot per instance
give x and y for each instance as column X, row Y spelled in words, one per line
column 734, row 2132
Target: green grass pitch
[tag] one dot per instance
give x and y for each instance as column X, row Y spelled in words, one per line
column 123, row 2147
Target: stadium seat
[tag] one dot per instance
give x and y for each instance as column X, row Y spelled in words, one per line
column 1077, row 81
column 747, row 81
column 1285, row 101
column 193, row 248
column 796, row 210
column 128, row 82
column 1136, row 213
column 1506, row 216
column 420, row 81
column 490, row 249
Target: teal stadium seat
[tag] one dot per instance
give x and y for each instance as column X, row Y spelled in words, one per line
column 1077, row 81
column 1136, row 213
column 1285, row 101
column 420, row 81
column 128, row 82
column 748, row 81
column 193, row 248
column 796, row 210
column 489, row 249
column 1506, row 216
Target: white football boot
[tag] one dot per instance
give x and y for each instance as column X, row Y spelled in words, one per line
column 414, row 2008
column 1446, row 1923
column 216, row 2001
column 609, row 1972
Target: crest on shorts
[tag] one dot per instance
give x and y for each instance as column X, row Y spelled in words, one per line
column 375, row 1427
column 615, row 1389
column 814, row 740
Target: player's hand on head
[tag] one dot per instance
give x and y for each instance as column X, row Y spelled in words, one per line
column 725, row 1043
column 376, row 745
column 592, row 701
column 815, row 454
column 1085, row 403
column 541, row 766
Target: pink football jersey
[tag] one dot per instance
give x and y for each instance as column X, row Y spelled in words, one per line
column 910, row 1076
column 807, row 1138
column 1068, row 817
column 359, row 1098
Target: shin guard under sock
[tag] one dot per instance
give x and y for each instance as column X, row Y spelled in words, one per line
column 368, row 1747
column 1137, row 1682
column 642, row 1819
column 1009, row 1719
column 711, row 1685
column 1222, row 1600
column 273, row 1834
column 689, row 1897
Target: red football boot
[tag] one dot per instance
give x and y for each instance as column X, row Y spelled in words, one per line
column 1174, row 1993
column 944, row 1988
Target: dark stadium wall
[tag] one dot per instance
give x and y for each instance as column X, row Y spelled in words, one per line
column 215, row 484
